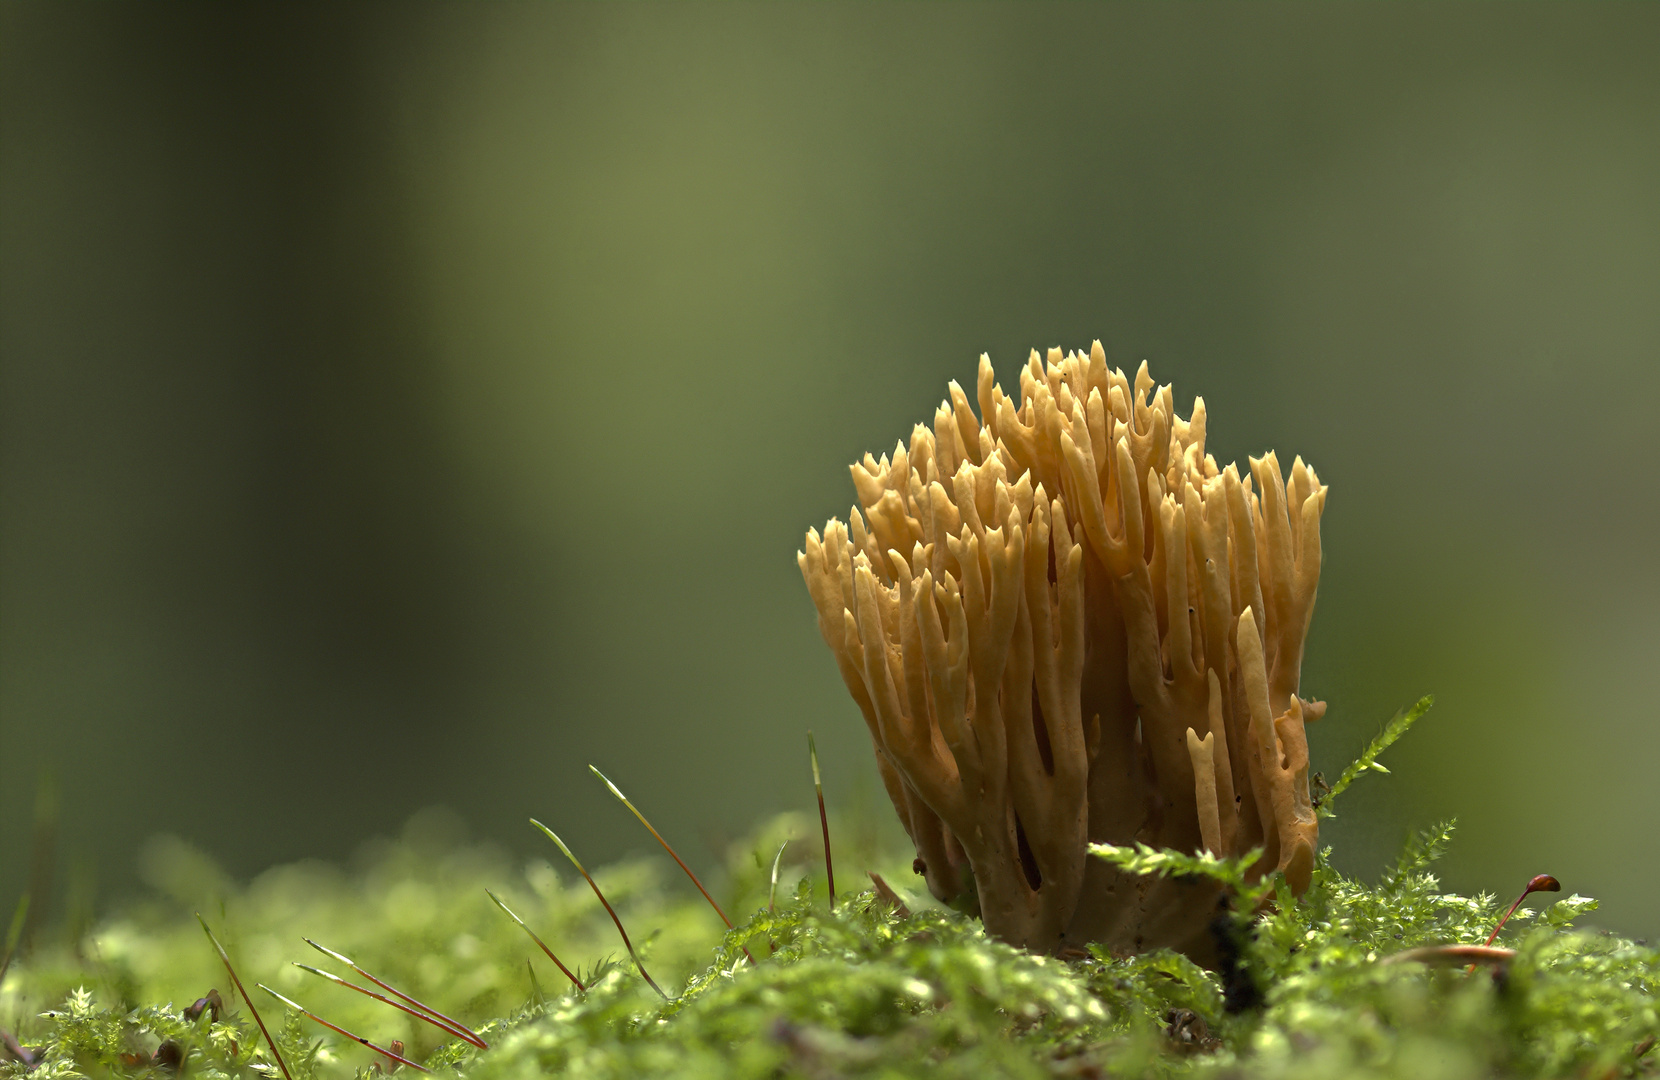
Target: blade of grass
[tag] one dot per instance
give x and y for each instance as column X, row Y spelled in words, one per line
column 672, row 853
column 659, row 837
column 536, row 994
column 823, row 818
column 576, row 982
column 772, row 893
column 29, row 906
column 14, row 934
column 629, row 945
column 394, row 991
column 41, row 856
column 243, row 990
column 303, row 1011
column 434, row 1021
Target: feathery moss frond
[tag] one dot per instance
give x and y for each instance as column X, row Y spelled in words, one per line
column 1368, row 759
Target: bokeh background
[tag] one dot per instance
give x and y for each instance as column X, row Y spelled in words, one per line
column 409, row 405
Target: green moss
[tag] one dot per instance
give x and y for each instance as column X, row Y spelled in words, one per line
column 862, row 990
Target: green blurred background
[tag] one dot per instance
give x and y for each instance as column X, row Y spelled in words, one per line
column 412, row 404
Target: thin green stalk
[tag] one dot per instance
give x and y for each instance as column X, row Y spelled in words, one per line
column 672, row 853
column 395, row 992
column 303, row 1011
column 772, row 893
column 629, row 945
column 225, row 958
column 434, row 1021
column 576, row 982
column 659, row 837
column 823, row 818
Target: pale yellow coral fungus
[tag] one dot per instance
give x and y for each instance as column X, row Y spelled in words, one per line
column 1063, row 623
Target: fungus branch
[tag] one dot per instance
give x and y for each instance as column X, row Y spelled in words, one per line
column 1064, row 623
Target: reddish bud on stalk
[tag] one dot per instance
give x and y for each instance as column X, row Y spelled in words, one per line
column 1541, row 883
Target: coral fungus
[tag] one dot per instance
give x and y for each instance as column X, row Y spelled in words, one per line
column 1064, row 624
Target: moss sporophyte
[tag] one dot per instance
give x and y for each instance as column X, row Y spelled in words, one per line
column 1076, row 642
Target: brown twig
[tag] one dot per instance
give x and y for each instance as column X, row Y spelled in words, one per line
column 1451, row 954
column 464, row 1036
column 629, row 945
column 9, row 1043
column 885, row 894
column 302, row 1010
column 225, row 958
column 395, row 992
column 576, row 982
column 1637, row 1053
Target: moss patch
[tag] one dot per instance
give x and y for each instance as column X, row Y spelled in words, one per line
column 865, row 989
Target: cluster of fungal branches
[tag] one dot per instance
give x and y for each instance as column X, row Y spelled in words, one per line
column 1064, row 624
